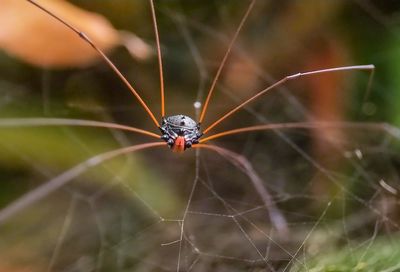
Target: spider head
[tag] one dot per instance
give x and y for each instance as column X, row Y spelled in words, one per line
column 180, row 132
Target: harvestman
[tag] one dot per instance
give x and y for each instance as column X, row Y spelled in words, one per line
column 180, row 132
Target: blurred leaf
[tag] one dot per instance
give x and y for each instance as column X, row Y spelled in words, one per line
column 39, row 39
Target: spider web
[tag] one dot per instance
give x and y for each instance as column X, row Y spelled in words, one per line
column 274, row 200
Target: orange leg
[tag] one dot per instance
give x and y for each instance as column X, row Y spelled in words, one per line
column 214, row 82
column 369, row 67
column 159, row 56
column 305, row 125
column 19, row 122
column 84, row 37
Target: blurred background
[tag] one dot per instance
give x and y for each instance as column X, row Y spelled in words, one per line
column 324, row 198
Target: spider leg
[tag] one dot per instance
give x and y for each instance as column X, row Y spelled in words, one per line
column 85, row 38
column 306, row 125
column 57, row 182
column 214, row 82
column 276, row 217
column 159, row 56
column 19, row 122
column 369, row 67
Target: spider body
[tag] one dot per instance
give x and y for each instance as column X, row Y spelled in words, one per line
column 180, row 132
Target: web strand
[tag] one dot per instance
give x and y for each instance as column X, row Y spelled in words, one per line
column 245, row 166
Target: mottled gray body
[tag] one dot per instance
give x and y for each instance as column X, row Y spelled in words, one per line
column 180, row 125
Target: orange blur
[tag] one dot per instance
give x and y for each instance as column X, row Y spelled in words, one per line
column 179, row 145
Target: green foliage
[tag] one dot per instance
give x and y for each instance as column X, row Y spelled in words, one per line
column 381, row 254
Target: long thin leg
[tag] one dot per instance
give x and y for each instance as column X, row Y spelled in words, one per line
column 214, row 82
column 307, row 125
column 369, row 67
column 19, row 122
column 62, row 179
column 159, row 56
column 84, row 37
column 276, row 217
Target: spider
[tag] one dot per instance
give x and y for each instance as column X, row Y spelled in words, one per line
column 178, row 132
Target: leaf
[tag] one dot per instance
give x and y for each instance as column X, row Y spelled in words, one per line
column 35, row 37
